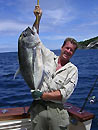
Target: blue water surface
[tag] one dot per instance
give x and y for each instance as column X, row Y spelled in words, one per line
column 15, row 93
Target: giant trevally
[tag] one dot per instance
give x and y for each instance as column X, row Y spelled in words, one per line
column 30, row 58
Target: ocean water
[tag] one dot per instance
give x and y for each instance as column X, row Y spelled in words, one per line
column 15, row 93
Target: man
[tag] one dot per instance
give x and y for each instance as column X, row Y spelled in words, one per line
column 48, row 113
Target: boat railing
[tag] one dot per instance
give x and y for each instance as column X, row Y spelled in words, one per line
column 18, row 119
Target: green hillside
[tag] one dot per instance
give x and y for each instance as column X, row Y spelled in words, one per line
column 83, row 44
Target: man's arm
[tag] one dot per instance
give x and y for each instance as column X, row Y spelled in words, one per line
column 55, row 95
column 65, row 91
column 38, row 14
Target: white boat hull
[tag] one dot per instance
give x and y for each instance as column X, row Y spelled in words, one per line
column 16, row 119
column 23, row 124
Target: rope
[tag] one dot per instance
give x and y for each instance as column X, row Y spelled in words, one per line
column 37, row 15
column 37, row 2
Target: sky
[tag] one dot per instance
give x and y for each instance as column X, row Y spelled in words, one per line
column 60, row 19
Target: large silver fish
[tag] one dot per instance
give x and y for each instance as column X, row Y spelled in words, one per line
column 30, row 58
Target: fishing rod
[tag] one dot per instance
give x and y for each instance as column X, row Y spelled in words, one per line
column 88, row 95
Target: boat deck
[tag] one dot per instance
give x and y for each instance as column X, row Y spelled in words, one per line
column 20, row 113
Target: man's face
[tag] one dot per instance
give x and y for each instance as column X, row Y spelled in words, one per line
column 67, row 51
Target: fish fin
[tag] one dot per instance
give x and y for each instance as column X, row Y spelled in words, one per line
column 17, row 72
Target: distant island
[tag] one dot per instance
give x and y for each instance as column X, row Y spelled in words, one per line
column 89, row 44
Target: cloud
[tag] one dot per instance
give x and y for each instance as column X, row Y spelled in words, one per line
column 55, row 37
column 10, row 26
column 94, row 23
column 85, row 26
column 59, row 16
column 23, row 14
column 7, row 48
column 55, row 15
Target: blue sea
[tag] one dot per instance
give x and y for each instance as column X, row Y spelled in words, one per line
column 15, row 93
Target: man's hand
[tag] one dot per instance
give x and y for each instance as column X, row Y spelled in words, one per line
column 36, row 94
column 38, row 11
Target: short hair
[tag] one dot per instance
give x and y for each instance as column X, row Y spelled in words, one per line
column 72, row 40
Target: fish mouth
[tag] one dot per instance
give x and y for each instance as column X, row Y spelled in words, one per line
column 28, row 32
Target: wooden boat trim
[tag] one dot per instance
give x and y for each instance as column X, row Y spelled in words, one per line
column 75, row 113
column 19, row 113
column 14, row 113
